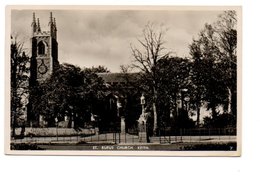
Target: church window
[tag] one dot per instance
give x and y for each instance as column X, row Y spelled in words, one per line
column 41, row 48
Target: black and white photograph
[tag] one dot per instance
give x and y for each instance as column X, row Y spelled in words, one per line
column 123, row 80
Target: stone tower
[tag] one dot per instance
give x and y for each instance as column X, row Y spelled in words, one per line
column 44, row 50
column 44, row 60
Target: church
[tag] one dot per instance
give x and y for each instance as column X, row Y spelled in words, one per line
column 119, row 109
column 44, row 61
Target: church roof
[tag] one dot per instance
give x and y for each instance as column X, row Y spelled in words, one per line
column 118, row 77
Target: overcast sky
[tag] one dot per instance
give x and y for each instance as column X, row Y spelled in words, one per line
column 97, row 37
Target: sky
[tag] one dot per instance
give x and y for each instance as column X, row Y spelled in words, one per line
column 89, row 38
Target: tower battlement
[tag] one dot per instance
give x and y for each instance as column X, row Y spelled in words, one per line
column 43, row 33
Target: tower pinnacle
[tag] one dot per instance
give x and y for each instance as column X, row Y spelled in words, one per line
column 34, row 21
column 51, row 20
column 54, row 23
column 38, row 25
column 34, row 26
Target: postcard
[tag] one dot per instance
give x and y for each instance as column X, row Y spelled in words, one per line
column 123, row 80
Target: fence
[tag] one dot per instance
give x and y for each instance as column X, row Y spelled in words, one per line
column 196, row 135
column 163, row 137
column 105, row 138
column 198, row 132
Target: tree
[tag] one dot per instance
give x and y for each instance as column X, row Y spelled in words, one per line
column 214, row 67
column 198, row 77
column 227, row 42
column 19, row 83
column 174, row 76
column 70, row 91
column 132, row 90
column 100, row 69
column 146, row 59
column 208, row 61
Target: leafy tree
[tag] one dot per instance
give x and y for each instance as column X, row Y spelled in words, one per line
column 100, row 69
column 174, row 76
column 132, row 90
column 70, row 91
column 19, row 83
column 224, row 120
column 198, row 77
column 214, row 68
column 227, row 42
column 215, row 93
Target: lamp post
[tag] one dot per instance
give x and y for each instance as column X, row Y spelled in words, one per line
column 183, row 91
column 142, row 121
column 142, row 99
column 118, row 107
column 56, row 123
column 186, row 99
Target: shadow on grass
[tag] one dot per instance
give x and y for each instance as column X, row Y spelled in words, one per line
column 231, row 146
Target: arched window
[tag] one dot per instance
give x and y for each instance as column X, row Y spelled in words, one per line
column 41, row 48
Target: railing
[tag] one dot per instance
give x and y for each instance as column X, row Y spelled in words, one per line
column 108, row 137
column 196, row 135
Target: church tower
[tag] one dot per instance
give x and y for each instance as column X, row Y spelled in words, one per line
column 44, row 60
column 44, row 50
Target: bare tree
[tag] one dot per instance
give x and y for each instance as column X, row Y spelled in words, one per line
column 146, row 58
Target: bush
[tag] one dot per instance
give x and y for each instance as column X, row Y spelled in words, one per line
column 23, row 146
column 221, row 121
column 224, row 147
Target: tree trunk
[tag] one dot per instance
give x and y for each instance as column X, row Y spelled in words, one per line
column 229, row 101
column 233, row 102
column 155, row 112
column 155, row 118
column 198, row 114
column 214, row 113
